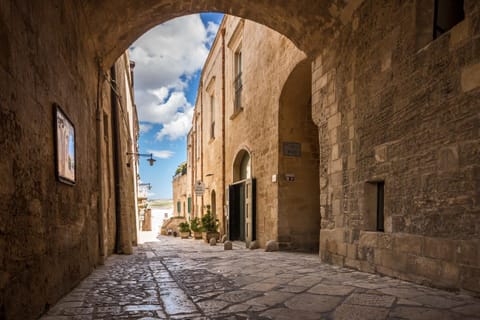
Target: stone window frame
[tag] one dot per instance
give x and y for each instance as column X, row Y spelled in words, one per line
column 372, row 190
column 426, row 23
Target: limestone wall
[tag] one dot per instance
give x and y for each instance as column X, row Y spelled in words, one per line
column 179, row 186
column 49, row 231
column 397, row 107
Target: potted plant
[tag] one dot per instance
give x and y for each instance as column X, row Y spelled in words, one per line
column 196, row 228
column 184, row 229
column 209, row 226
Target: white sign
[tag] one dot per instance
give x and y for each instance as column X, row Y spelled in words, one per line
column 199, row 188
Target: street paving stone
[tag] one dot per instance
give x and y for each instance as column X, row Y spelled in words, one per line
column 187, row 279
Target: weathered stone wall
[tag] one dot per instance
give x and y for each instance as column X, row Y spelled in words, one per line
column 298, row 187
column 268, row 59
column 49, row 231
column 396, row 109
column 179, row 188
column 211, row 142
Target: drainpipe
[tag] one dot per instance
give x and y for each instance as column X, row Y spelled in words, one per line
column 116, row 157
column 100, row 208
column 223, row 129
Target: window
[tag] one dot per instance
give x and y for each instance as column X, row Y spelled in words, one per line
column 179, row 207
column 212, row 116
column 189, row 204
column 380, row 201
column 374, row 206
column 238, row 81
column 447, row 13
column 197, row 140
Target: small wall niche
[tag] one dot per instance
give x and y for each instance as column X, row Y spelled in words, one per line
column 374, row 197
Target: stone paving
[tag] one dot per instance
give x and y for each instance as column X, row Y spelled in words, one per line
column 188, row 279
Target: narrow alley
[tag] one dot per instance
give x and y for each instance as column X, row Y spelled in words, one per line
column 188, row 279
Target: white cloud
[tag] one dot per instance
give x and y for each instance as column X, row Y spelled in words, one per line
column 166, row 58
column 212, row 29
column 145, row 127
column 178, row 127
column 162, row 154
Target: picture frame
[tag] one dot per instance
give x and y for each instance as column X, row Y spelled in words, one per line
column 65, row 144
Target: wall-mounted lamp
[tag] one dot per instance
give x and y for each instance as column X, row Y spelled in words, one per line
column 150, row 160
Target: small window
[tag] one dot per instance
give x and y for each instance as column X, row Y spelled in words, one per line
column 374, row 206
column 447, row 13
column 380, row 202
column 179, row 207
column 212, row 116
column 189, row 204
column 238, row 85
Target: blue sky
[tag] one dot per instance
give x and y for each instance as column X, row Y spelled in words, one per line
column 168, row 61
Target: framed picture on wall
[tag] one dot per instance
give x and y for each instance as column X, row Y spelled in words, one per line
column 65, row 161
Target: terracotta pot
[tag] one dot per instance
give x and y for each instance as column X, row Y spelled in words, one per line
column 184, row 235
column 208, row 235
column 197, row 235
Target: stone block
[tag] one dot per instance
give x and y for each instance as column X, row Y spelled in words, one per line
column 459, row 33
column 450, row 274
column 381, row 153
column 337, row 165
column 408, row 243
column 271, row 246
column 466, row 252
column 334, row 121
column 470, row 278
column 227, row 245
column 342, row 249
column 352, row 263
column 338, row 260
column 254, row 245
column 352, row 250
column 428, row 268
column 368, row 239
column 439, row 248
column 470, row 77
column 384, row 240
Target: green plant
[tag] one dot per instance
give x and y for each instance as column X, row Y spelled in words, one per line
column 184, row 227
column 209, row 223
column 195, row 225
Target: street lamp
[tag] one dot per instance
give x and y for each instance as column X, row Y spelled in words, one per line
column 150, row 160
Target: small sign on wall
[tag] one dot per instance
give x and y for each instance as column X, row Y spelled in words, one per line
column 199, row 188
column 64, row 131
column 292, row 149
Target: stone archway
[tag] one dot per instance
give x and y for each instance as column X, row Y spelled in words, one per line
column 298, row 204
column 115, row 24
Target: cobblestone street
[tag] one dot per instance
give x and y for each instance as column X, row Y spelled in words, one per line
column 188, row 279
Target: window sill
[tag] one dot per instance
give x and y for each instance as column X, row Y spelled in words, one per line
column 236, row 113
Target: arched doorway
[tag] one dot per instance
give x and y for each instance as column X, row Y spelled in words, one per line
column 298, row 203
column 241, row 200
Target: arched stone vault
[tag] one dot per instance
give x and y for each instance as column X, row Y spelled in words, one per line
column 115, row 24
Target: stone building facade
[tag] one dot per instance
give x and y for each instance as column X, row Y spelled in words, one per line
column 181, row 202
column 253, row 143
column 53, row 234
column 396, row 100
column 395, row 103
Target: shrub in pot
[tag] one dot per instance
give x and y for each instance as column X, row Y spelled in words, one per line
column 209, row 226
column 196, row 228
column 184, row 229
